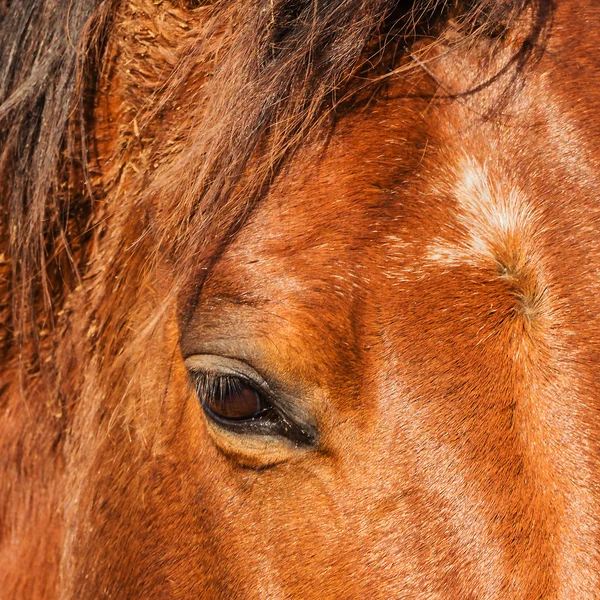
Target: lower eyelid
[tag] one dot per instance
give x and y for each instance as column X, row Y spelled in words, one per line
column 266, row 425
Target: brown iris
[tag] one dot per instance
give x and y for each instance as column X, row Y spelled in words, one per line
column 232, row 398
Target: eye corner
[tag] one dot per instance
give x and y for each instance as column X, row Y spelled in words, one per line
column 302, row 435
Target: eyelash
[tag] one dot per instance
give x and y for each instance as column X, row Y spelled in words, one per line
column 216, row 385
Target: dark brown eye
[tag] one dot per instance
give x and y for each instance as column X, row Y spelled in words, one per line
column 238, row 400
column 231, row 398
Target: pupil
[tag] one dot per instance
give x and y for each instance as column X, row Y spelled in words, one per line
column 236, row 402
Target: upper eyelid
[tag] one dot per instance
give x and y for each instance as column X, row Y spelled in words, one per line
column 213, row 376
column 225, row 366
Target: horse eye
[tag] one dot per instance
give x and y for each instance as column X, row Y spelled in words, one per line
column 238, row 402
column 231, row 398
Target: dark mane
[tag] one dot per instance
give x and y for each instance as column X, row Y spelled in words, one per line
column 287, row 65
column 46, row 49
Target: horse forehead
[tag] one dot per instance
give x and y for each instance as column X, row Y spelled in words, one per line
column 482, row 215
column 449, row 256
column 496, row 220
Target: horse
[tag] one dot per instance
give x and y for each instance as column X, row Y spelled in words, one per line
column 300, row 299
